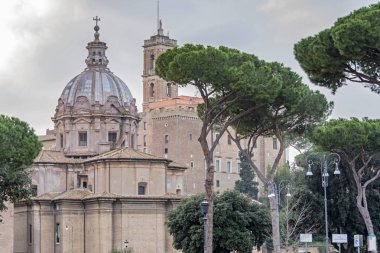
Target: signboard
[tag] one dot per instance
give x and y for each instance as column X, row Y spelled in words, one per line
column 358, row 241
column 371, row 242
column 339, row 238
column 306, row 238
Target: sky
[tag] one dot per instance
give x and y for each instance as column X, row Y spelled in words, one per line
column 43, row 43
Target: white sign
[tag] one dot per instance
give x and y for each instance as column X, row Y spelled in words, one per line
column 306, row 238
column 358, row 240
column 339, row 238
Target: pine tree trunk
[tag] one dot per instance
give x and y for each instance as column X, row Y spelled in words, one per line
column 275, row 224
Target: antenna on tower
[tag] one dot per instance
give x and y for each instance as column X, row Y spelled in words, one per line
column 158, row 14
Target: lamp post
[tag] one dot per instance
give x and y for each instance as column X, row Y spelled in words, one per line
column 335, row 158
column 275, row 192
column 204, row 209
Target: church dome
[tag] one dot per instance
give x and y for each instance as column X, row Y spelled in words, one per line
column 96, row 87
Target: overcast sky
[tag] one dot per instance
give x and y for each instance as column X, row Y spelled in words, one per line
column 43, row 43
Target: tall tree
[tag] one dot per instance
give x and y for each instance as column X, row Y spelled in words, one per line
column 224, row 78
column 18, row 147
column 240, row 223
column 358, row 142
column 293, row 110
column 348, row 51
column 247, row 175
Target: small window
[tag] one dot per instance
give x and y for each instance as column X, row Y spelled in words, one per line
column 100, row 61
column 166, row 151
column 274, row 143
column 145, row 125
column 141, row 189
column 228, row 166
column 166, row 139
column 61, row 140
column 217, row 183
column 168, row 90
column 191, row 164
column 151, row 90
column 84, row 185
column 57, row 233
column 93, row 53
column 144, row 140
column 132, row 140
column 99, row 53
column 82, row 138
column 190, row 136
column 112, row 137
column 151, row 65
column 34, row 190
column 30, row 234
column 217, row 165
column 229, row 140
column 216, row 137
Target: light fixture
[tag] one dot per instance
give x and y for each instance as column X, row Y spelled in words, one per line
column 309, row 172
column 336, row 171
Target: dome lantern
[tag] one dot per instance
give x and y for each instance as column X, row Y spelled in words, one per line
column 96, row 50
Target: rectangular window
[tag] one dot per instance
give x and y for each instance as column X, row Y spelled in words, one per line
column 166, row 151
column 141, row 190
column 274, row 143
column 61, row 140
column 144, row 140
column 112, row 136
column 57, row 233
column 229, row 140
column 34, row 190
column 217, row 165
column 145, row 125
column 84, row 184
column 30, row 234
column 191, row 164
column 216, row 135
column 217, row 183
column 166, row 139
column 190, row 137
column 132, row 140
column 82, row 138
column 228, row 166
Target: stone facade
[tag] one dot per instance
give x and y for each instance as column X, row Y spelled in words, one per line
column 94, row 188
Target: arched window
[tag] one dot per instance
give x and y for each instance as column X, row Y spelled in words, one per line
column 151, row 90
column 169, row 90
column 151, row 63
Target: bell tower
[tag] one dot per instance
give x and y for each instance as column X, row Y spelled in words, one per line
column 155, row 88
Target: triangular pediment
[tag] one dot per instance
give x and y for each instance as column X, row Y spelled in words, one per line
column 82, row 121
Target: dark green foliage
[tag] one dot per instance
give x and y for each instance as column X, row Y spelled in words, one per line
column 246, row 184
column 348, row 51
column 18, row 147
column 239, row 223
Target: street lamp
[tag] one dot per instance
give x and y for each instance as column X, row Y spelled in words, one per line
column 335, row 158
column 204, row 209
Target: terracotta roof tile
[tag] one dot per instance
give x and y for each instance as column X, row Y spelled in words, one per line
column 52, row 156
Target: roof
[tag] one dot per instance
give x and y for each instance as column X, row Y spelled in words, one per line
column 126, row 154
column 177, row 165
column 85, row 194
column 53, row 156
